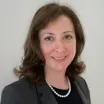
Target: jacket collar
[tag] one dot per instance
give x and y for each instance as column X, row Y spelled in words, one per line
column 45, row 95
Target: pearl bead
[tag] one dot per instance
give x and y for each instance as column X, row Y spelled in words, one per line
column 59, row 95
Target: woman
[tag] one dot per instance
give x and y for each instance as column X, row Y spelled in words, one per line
column 50, row 70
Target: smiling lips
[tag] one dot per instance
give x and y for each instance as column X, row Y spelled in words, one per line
column 59, row 58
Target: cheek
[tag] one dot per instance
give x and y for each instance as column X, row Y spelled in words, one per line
column 72, row 48
column 46, row 51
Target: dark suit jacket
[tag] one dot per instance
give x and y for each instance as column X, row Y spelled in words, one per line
column 24, row 92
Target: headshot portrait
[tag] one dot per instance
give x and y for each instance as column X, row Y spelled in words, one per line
column 51, row 66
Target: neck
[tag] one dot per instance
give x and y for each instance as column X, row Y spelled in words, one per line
column 56, row 79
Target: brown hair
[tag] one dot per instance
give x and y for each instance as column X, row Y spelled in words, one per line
column 33, row 65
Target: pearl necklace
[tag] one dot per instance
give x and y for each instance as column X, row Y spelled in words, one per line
column 59, row 95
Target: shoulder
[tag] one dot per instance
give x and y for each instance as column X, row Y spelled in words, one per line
column 17, row 85
column 18, row 91
column 81, row 81
column 82, row 84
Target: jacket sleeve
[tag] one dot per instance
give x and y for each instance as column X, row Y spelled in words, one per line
column 10, row 96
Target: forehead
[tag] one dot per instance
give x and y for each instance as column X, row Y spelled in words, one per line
column 61, row 24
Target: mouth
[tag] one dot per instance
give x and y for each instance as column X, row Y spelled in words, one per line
column 59, row 58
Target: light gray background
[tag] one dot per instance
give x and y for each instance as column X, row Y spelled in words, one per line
column 15, row 17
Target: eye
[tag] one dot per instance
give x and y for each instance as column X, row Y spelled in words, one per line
column 49, row 38
column 68, row 37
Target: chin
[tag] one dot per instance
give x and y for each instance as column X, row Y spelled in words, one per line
column 60, row 69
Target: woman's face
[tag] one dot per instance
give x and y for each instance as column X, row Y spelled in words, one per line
column 58, row 44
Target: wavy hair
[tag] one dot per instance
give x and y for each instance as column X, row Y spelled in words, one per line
column 32, row 64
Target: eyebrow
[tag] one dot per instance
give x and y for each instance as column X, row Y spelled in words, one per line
column 68, row 31
column 53, row 33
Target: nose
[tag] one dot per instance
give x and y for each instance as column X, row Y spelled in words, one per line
column 59, row 46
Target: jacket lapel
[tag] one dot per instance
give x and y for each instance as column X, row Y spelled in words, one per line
column 80, row 90
column 45, row 94
column 81, row 94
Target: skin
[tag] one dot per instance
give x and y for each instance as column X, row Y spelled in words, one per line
column 58, row 45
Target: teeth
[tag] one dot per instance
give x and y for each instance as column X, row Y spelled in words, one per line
column 60, row 57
